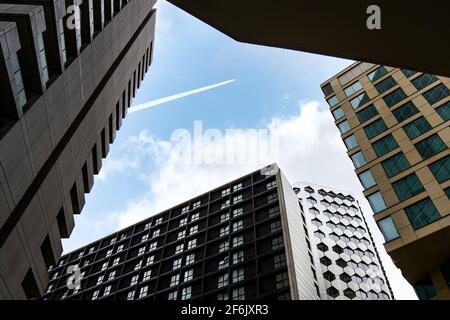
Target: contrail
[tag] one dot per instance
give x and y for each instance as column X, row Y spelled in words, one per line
column 176, row 96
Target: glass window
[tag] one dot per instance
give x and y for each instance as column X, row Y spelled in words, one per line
column 358, row 159
column 417, row 127
column 384, row 145
column 388, row 229
column 351, row 142
column 444, row 111
column 385, row 85
column 224, row 246
column 405, row 111
column 425, row 289
column 350, row 90
column 376, row 202
column 238, row 275
column 422, row 213
column 172, row 296
column 332, row 101
column 367, row 113
column 190, row 259
column 222, row 281
column 188, row 275
column 192, row 244
column 436, row 94
column 395, row 164
column 186, row 293
column 377, row 74
column 174, row 280
column 394, row 97
column 408, row 187
column 344, row 127
column 224, row 216
column 338, row 113
column 408, row 73
column 423, row 81
column 359, row 100
column 237, row 212
column 367, row 179
column 237, row 241
column 224, row 231
column 441, row 169
column 282, row 280
column 238, row 257
column 430, row 146
column 277, row 243
column 238, row 294
column 375, row 128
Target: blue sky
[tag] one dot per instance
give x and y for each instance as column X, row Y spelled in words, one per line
column 273, row 88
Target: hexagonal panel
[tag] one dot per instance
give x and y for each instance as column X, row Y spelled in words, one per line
column 337, row 249
column 322, row 247
column 325, row 261
column 349, row 293
column 329, row 276
column 345, row 277
column 341, row 263
column 332, row 292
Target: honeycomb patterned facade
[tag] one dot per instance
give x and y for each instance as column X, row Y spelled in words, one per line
column 349, row 262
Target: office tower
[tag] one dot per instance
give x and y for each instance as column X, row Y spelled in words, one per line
column 68, row 72
column 244, row 240
column 395, row 125
column 335, row 28
column 347, row 259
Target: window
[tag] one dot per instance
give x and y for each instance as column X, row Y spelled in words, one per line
column 332, row 101
column 423, row 81
column 408, row 187
column 156, row 233
column 430, row 146
column 143, row 292
column 277, row 243
column 224, row 246
column 279, row 261
column 358, row 159
column 282, row 280
column 350, row 90
column 350, row 142
column 394, row 97
column 190, row 259
column 237, row 241
column 176, row 264
column 405, row 111
column 237, row 199
column 441, row 169
column 238, row 257
column 104, row 266
column 150, row 260
column 222, row 281
column 238, row 294
column 422, row 213
column 159, row 221
column 274, row 211
column 375, row 128
column 116, row 261
column 388, row 229
column 193, row 230
column 95, row 295
column 237, row 275
column 195, row 217
column 444, row 111
column 344, row 127
column 225, row 192
column 275, row 226
column 395, row 164
column 100, row 279
column 183, row 222
column 377, row 74
column 436, row 94
column 359, row 100
column 224, row 231
column 367, row 113
column 408, row 73
column 271, row 185
column 384, row 145
column 185, row 209
column 338, row 113
column 237, row 187
column 147, row 226
column 141, row 251
column 147, row 275
column 174, row 280
column 222, row 296
column 226, row 204
column 224, row 216
column 237, row 212
column 272, row 198
column 417, row 128
column 179, row 249
column 181, row 235
column 111, row 275
column 186, row 293
column 188, row 275
column 172, row 296
column 134, row 280
column 196, row 204
column 238, row 225
column 192, row 244
column 153, row 246
column 109, row 252
column 223, row 263
column 367, row 179
column 130, row 295
column 425, row 289
column 376, row 202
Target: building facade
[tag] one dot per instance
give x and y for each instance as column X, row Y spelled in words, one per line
column 395, row 125
column 244, row 240
column 347, row 260
column 68, row 72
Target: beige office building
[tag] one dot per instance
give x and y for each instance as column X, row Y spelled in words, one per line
column 395, row 124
